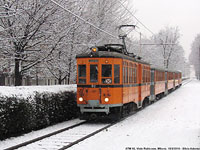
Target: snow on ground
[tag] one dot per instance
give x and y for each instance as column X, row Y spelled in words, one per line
column 26, row 91
column 173, row 121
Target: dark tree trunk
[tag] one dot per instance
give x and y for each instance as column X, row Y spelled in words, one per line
column 68, row 79
column 59, row 81
column 18, row 76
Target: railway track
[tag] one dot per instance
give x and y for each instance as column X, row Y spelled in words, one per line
column 64, row 138
column 186, row 82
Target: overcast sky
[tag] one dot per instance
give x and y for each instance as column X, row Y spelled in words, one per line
column 156, row 14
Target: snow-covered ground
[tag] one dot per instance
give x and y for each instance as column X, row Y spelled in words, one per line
column 26, row 91
column 173, row 121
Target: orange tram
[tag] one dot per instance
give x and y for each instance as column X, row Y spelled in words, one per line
column 111, row 83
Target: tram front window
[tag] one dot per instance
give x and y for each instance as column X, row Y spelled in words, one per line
column 93, row 73
column 106, row 74
column 82, row 74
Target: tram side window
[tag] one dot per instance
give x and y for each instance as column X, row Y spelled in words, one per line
column 126, row 81
column 135, row 75
column 106, row 74
column 143, row 76
column 125, row 74
column 148, row 75
column 82, row 74
column 93, row 73
column 116, row 74
column 130, row 75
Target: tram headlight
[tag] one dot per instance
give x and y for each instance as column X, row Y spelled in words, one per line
column 106, row 99
column 80, row 99
column 94, row 49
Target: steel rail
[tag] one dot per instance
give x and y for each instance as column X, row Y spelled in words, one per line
column 44, row 136
column 86, row 137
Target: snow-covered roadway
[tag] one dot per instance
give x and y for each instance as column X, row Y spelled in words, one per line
column 173, row 121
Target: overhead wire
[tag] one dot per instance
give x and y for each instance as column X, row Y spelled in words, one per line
column 87, row 22
column 136, row 18
column 106, row 32
column 162, row 43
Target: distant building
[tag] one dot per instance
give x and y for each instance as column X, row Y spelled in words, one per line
column 7, row 79
column 33, row 77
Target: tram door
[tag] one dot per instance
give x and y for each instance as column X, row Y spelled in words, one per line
column 94, row 91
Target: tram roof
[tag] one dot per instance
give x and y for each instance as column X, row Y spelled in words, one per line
column 109, row 54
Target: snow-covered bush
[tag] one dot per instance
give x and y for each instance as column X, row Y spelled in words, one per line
column 22, row 115
column 52, row 108
column 15, row 116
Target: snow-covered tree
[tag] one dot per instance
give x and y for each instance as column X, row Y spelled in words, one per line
column 163, row 50
column 169, row 40
column 39, row 33
column 24, row 33
column 61, row 63
column 79, row 36
column 195, row 55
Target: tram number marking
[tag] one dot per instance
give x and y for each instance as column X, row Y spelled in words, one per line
column 92, row 60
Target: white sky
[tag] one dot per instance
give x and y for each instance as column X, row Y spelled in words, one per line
column 157, row 14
